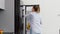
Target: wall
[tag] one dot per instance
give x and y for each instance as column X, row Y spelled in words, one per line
column 50, row 19
column 2, row 3
column 7, row 17
column 49, row 12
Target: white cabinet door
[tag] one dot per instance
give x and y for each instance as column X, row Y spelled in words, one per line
column 2, row 4
column 30, row 2
column 50, row 9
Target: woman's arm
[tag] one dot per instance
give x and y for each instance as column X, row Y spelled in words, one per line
column 40, row 20
column 30, row 17
column 28, row 26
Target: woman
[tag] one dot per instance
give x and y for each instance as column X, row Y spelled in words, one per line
column 35, row 20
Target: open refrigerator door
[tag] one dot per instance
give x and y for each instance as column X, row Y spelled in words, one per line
column 25, row 10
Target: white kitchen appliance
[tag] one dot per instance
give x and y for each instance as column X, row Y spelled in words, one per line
column 24, row 11
column 2, row 4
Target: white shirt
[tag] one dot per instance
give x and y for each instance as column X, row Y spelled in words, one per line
column 35, row 21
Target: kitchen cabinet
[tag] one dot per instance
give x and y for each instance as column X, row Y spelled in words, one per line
column 2, row 4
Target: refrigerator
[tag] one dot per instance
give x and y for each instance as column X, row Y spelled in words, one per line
column 25, row 10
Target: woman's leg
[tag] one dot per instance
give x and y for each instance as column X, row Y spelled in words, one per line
column 36, row 33
column 30, row 31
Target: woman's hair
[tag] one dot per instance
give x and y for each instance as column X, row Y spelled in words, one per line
column 36, row 8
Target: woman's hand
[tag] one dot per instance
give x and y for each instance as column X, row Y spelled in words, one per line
column 28, row 26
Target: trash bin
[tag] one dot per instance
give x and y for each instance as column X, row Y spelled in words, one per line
column 1, row 31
